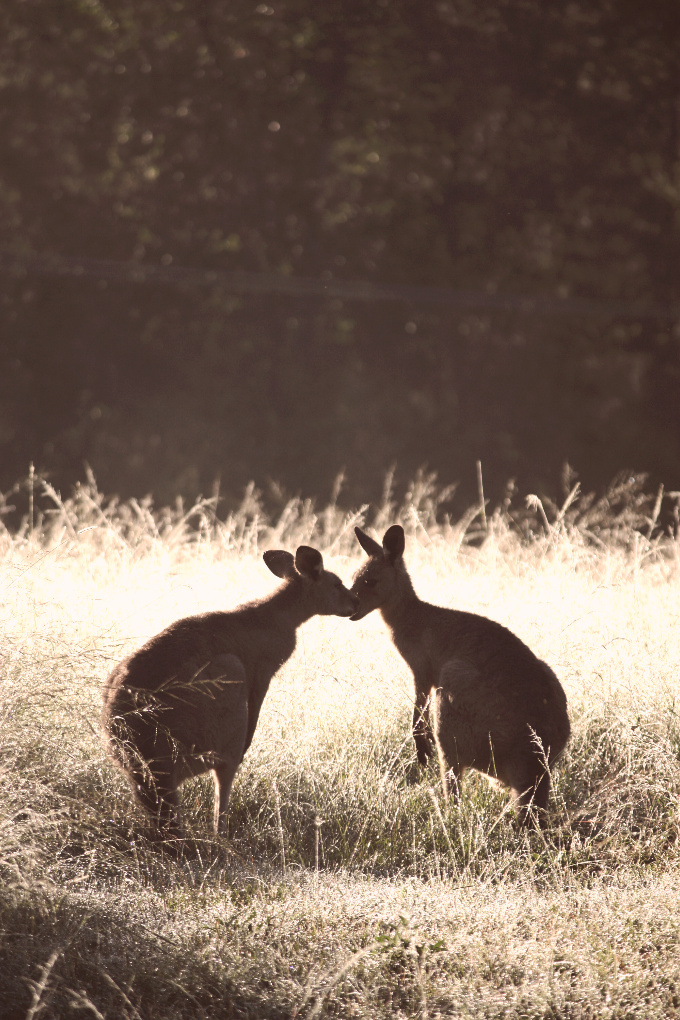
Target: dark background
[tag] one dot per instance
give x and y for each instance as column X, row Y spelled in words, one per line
column 523, row 157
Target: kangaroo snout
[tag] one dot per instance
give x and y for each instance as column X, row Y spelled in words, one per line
column 358, row 612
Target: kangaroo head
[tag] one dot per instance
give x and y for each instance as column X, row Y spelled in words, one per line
column 321, row 589
column 377, row 581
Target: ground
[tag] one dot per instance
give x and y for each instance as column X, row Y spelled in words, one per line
column 345, row 887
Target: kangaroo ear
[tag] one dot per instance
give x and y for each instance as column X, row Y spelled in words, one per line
column 309, row 562
column 279, row 562
column 394, row 542
column 368, row 544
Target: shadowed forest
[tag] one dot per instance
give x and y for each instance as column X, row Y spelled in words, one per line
column 249, row 241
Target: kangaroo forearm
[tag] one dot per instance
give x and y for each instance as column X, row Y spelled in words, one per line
column 254, row 706
column 422, row 734
column 250, row 732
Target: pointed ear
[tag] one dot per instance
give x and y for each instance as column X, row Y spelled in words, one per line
column 279, row 562
column 368, row 544
column 309, row 562
column 394, row 542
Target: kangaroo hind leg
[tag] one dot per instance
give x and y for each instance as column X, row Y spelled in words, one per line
column 155, row 790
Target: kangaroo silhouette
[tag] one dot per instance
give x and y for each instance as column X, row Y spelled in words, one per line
column 483, row 699
column 188, row 701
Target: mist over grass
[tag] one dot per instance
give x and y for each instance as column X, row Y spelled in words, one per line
column 345, row 886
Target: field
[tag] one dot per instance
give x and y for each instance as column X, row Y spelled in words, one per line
column 346, row 887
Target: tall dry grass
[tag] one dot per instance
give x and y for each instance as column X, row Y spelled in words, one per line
column 345, row 887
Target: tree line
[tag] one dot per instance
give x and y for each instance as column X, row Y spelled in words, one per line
column 487, row 150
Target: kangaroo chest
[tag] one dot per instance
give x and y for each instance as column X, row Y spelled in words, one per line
column 418, row 655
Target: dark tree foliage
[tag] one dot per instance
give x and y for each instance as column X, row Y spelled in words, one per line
column 503, row 147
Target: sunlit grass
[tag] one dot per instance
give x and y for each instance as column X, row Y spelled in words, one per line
column 345, row 886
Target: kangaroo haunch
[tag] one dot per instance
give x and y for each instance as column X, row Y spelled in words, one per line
column 188, row 701
column 487, row 701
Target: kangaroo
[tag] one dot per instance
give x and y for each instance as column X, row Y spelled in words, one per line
column 188, row 701
column 482, row 697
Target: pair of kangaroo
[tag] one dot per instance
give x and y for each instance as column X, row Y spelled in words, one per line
column 188, row 701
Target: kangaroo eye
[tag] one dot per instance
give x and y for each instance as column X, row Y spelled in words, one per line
column 370, row 582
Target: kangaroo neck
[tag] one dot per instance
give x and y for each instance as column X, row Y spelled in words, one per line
column 286, row 607
column 398, row 612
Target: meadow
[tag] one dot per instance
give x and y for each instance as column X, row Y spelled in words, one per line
column 346, row 887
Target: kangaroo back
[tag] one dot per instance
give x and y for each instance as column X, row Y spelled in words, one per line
column 483, row 699
column 188, row 701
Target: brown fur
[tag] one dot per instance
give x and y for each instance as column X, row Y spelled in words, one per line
column 188, row 701
column 482, row 697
